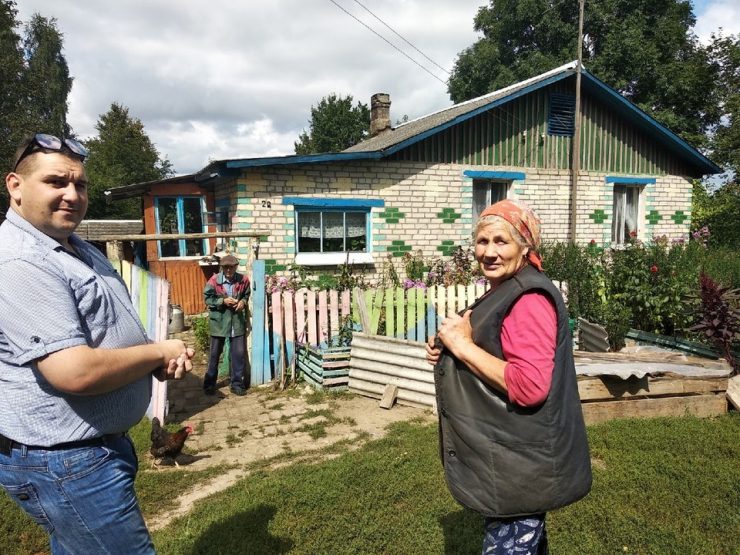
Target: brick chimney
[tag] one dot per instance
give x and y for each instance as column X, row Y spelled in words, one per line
column 380, row 113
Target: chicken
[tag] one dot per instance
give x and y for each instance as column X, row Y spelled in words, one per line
column 167, row 444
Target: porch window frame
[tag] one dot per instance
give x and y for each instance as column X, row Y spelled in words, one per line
column 182, row 243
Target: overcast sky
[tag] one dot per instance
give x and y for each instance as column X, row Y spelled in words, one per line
column 237, row 78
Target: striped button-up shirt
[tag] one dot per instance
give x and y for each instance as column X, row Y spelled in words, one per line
column 51, row 300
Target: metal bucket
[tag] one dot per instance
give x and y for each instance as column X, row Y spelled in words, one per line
column 177, row 319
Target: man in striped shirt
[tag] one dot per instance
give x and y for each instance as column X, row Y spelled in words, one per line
column 75, row 362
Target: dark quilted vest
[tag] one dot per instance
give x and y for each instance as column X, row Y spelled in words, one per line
column 501, row 459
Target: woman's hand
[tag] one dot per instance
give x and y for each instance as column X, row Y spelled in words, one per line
column 456, row 332
column 433, row 351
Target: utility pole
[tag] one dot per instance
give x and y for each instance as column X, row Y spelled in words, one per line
column 575, row 160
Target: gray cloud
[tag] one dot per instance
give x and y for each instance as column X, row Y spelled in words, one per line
column 225, row 79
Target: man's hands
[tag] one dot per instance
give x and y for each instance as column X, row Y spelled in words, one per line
column 237, row 306
column 176, row 358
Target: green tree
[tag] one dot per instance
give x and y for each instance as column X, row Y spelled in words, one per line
column 11, row 70
column 643, row 48
column 334, row 125
column 719, row 212
column 46, row 81
column 121, row 154
column 725, row 53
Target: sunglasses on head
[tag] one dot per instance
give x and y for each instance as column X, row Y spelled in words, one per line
column 50, row 142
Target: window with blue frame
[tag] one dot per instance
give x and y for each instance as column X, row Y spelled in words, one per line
column 332, row 230
column 180, row 215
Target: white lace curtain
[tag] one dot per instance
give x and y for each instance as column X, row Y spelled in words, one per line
column 309, row 224
column 625, row 209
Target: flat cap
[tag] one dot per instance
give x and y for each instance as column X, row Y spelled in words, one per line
column 229, row 260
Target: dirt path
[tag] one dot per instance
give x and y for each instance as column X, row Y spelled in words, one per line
column 272, row 428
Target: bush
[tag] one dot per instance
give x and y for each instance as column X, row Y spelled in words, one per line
column 581, row 267
column 202, row 332
column 718, row 212
column 719, row 316
column 616, row 321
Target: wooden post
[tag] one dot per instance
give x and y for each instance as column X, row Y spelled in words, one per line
column 114, row 250
column 576, row 144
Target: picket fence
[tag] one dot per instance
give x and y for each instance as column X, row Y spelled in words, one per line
column 322, row 319
column 150, row 297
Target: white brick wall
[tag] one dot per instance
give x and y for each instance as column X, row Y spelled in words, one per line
column 421, row 192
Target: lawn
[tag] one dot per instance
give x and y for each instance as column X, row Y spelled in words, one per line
column 667, row 485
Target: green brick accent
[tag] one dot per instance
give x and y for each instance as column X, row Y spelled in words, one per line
column 446, row 247
column 391, row 215
column 398, row 248
column 241, row 188
column 448, row 215
column 467, row 188
column 243, row 213
column 272, row 267
column 653, row 217
column 679, row 217
column 598, row 216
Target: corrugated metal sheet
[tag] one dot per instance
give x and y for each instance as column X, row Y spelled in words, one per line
column 187, row 281
column 592, row 337
column 378, row 361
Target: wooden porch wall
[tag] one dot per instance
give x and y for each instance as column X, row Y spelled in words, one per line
column 187, row 281
column 516, row 135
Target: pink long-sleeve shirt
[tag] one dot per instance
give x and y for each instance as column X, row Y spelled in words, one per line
column 528, row 337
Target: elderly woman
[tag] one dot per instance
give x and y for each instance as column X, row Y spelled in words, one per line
column 512, row 438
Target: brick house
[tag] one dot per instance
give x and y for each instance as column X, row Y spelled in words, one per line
column 420, row 186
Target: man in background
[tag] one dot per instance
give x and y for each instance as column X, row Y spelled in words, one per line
column 75, row 362
column 226, row 294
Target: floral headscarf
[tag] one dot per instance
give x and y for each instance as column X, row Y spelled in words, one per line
column 525, row 221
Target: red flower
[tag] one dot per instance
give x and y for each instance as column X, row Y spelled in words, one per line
column 654, row 269
column 633, row 234
column 593, row 241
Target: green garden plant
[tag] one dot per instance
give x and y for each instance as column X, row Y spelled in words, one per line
column 202, row 333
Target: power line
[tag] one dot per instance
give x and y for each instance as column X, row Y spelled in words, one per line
column 400, row 36
column 386, row 40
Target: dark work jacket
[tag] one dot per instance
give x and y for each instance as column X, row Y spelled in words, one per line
column 225, row 321
column 501, row 459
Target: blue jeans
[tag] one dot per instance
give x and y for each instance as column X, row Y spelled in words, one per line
column 237, row 348
column 83, row 497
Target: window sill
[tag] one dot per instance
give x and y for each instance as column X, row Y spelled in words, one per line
column 332, row 258
column 183, row 258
